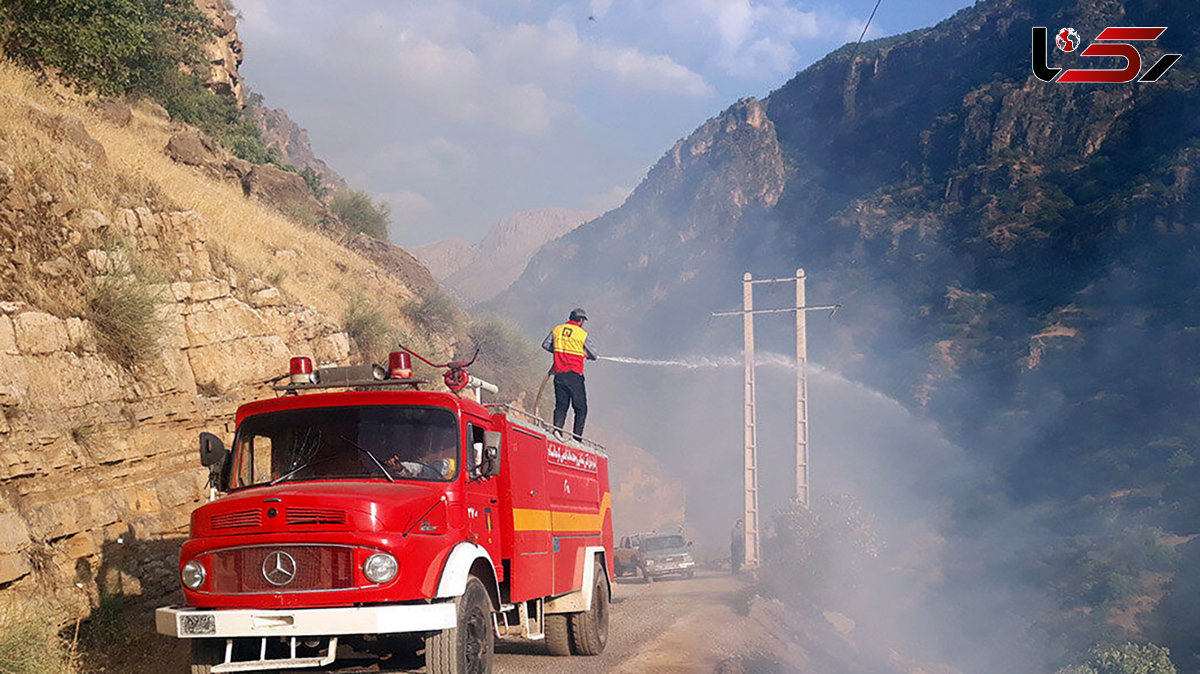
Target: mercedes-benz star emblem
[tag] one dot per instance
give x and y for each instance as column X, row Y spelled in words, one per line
column 279, row 568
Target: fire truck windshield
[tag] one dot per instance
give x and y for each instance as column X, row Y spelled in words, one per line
column 367, row 442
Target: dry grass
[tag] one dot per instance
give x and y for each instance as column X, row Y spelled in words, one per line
column 124, row 312
column 247, row 233
column 30, row 643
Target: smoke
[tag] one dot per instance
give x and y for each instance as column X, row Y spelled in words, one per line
column 687, row 411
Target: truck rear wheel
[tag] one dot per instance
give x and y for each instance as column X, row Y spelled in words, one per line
column 558, row 638
column 589, row 629
column 206, row 653
column 467, row 647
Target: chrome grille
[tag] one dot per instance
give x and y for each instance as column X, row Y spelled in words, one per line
column 306, row 516
column 317, row 567
column 237, row 519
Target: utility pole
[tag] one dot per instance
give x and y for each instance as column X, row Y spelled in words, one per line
column 801, row 491
column 802, row 488
column 750, row 445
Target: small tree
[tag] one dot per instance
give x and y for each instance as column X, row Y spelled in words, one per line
column 110, row 46
column 819, row 553
column 361, row 213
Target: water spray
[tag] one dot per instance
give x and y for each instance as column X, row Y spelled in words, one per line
column 706, row 362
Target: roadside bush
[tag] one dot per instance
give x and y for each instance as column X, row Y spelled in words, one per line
column 507, row 358
column 123, row 310
column 819, row 554
column 30, row 644
column 361, row 213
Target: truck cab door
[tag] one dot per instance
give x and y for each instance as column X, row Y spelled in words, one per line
column 483, row 505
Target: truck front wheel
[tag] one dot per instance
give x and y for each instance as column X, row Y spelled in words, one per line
column 589, row 629
column 467, row 647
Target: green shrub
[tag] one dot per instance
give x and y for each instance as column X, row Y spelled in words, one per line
column 1128, row 658
column 508, row 359
column 362, row 214
column 123, row 310
column 820, row 554
column 366, row 326
column 313, row 180
column 185, row 96
column 31, row 644
column 435, row 311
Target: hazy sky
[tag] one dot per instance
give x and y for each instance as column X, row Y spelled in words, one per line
column 459, row 112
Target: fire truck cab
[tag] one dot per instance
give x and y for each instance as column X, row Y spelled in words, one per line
column 384, row 510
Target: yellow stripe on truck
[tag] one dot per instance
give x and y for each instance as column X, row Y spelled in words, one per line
column 533, row 519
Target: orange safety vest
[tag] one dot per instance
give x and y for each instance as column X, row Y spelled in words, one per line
column 569, row 351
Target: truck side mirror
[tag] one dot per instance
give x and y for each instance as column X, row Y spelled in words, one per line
column 491, row 452
column 212, row 450
column 213, row 456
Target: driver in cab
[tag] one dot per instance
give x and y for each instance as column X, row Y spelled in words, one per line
column 426, row 456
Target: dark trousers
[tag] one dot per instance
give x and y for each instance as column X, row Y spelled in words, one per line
column 569, row 392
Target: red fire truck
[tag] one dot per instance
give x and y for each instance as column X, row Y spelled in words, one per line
column 384, row 511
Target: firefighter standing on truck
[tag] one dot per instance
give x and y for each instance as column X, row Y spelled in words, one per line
column 568, row 343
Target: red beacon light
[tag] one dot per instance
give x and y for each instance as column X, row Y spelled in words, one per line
column 301, row 370
column 399, row 365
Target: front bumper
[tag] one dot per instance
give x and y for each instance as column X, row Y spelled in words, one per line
column 669, row 568
column 187, row 623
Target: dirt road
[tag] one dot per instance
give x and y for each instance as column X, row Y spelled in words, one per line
column 648, row 627
column 673, row 626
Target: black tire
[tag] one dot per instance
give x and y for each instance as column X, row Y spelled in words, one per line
column 589, row 629
column 691, row 573
column 558, row 636
column 206, row 653
column 466, row 648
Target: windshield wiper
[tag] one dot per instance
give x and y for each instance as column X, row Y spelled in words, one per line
column 353, row 444
column 297, row 469
column 374, row 458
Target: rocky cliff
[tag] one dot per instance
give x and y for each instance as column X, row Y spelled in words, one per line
column 293, row 144
column 224, row 51
column 101, row 404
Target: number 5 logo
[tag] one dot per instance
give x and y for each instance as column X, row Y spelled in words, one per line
column 1120, row 37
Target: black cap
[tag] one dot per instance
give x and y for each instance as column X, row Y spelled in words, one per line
column 577, row 314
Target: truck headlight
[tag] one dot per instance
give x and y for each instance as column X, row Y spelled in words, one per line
column 193, row 574
column 380, row 567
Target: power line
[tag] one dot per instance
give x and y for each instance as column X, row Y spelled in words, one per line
column 854, row 52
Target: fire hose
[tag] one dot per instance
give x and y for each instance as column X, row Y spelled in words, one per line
column 537, row 402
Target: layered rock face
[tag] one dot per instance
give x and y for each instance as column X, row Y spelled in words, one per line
column 100, row 470
column 224, row 52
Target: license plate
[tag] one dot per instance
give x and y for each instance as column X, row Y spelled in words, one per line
column 198, row 625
